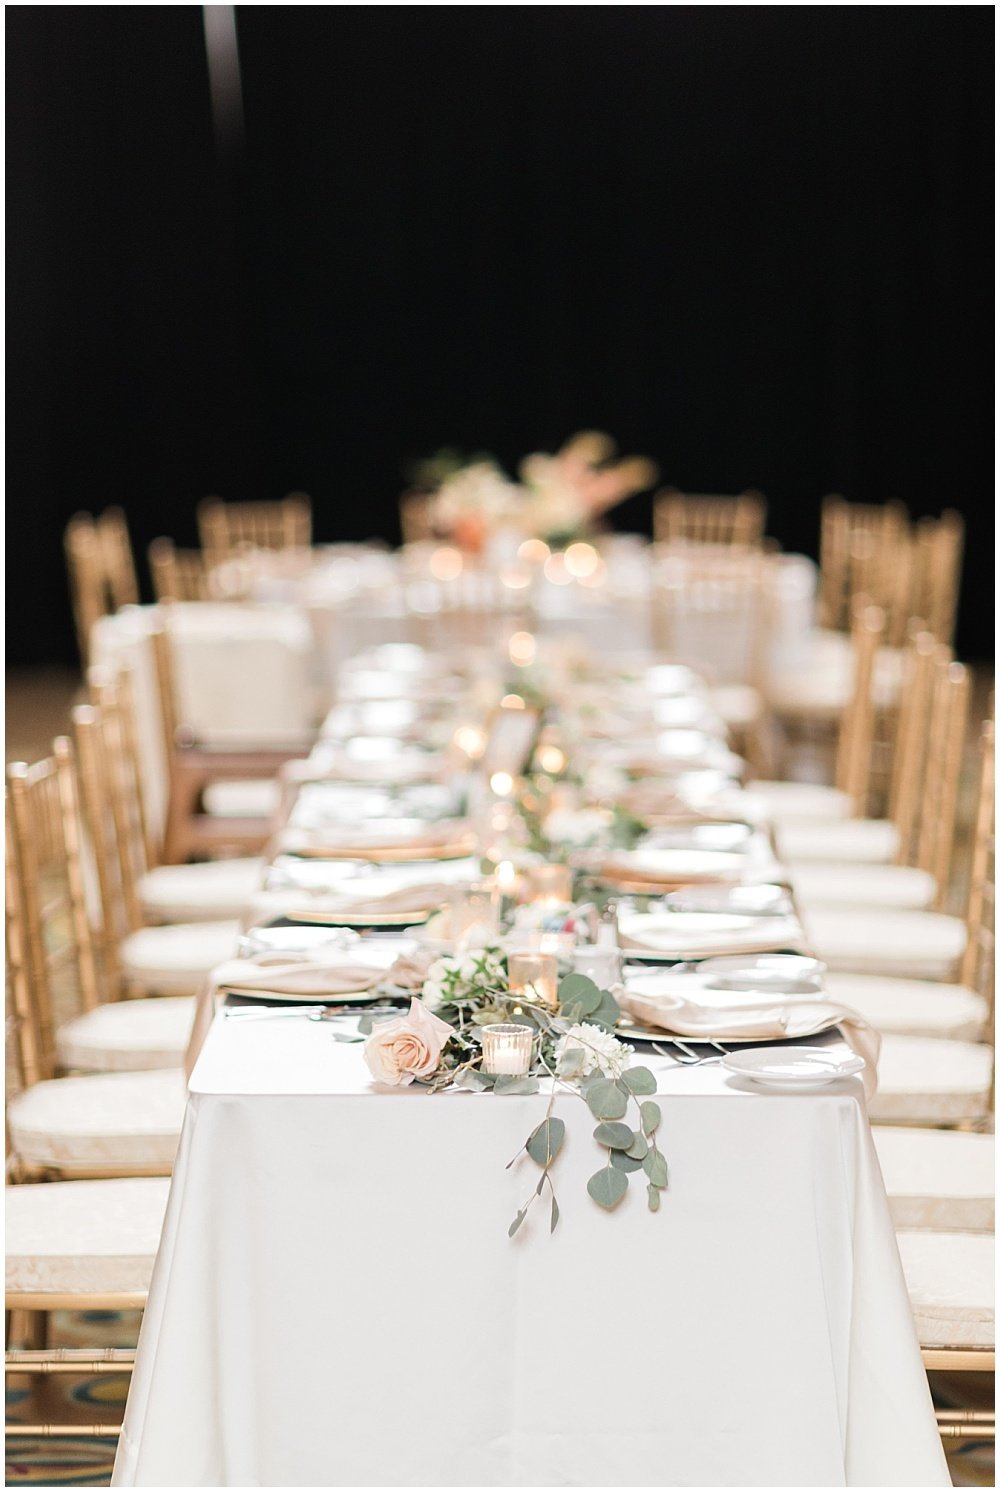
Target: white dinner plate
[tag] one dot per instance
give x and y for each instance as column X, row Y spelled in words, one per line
column 791, row 1067
column 676, row 866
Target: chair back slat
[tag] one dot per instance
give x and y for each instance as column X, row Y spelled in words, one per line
column 943, row 769
column 859, row 544
column 911, row 738
column 102, row 834
column 118, row 559
column 51, row 929
column 696, row 519
column 979, row 961
column 857, row 727
column 226, row 528
column 177, row 574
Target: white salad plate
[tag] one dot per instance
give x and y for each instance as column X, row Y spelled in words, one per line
column 791, row 1067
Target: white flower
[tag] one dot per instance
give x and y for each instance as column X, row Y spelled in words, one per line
column 432, row 994
column 581, row 826
column 586, row 1049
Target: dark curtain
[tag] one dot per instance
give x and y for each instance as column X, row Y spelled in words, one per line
column 751, row 242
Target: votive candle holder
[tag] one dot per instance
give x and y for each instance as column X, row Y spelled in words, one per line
column 507, row 1049
column 534, row 975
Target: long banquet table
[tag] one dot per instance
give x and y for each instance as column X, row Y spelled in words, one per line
column 336, row 1300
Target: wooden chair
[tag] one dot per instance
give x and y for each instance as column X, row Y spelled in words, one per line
column 210, row 890
column 936, row 572
column 177, row 574
column 902, row 861
column 173, row 959
column 226, row 528
column 192, row 767
column 123, row 1118
column 76, row 1246
column 101, row 570
column 859, row 546
column 118, row 558
column 683, row 517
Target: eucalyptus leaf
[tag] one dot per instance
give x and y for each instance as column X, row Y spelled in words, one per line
column 622, row 1161
column 651, row 1117
column 525, row 1083
column 516, row 1224
column 554, row 1215
column 615, row 1136
column 653, row 1197
column 545, row 1142
column 639, row 1080
column 607, row 1187
column 638, row 1148
column 365, row 1025
column 579, row 994
column 607, row 1012
column 605, row 1100
column 655, row 1168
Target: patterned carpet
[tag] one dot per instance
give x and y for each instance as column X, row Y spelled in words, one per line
column 87, row 1462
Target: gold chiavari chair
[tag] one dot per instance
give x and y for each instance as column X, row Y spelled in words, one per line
column 193, row 767
column 902, row 861
column 118, row 559
column 63, row 990
column 177, row 574
column 76, row 1246
column 123, row 1117
column 936, row 572
column 101, row 570
column 226, row 528
column 86, row 579
column 859, row 545
column 691, row 519
column 209, row 890
column 170, row 959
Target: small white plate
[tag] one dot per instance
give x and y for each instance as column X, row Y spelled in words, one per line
column 791, row 1068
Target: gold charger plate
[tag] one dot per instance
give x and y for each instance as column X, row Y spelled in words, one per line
column 330, row 918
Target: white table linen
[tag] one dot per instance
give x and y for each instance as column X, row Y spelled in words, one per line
column 336, row 1300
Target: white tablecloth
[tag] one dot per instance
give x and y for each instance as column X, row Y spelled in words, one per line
column 336, row 1300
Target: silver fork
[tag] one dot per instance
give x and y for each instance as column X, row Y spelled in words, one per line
column 684, row 1056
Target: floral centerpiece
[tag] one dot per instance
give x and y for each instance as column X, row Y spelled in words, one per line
column 440, row 1043
column 558, row 499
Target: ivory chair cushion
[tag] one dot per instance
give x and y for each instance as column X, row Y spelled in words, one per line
column 901, row 886
column 923, row 1081
column 911, row 1007
column 938, row 1178
column 116, row 1122
column 795, row 802
column 256, row 798
column 200, row 893
column 906, row 945
column 83, row 1237
column 820, row 685
column 854, row 841
column 950, row 1280
column 128, row 1035
column 176, row 959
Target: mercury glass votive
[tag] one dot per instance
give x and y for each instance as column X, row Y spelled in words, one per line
column 534, row 975
column 507, row 1049
column 475, row 916
column 551, row 883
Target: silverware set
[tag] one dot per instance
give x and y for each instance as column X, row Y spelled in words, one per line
column 686, row 1056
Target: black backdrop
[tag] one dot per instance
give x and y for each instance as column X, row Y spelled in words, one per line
column 752, row 242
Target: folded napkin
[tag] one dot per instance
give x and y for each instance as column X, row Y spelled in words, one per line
column 317, row 973
column 764, row 1022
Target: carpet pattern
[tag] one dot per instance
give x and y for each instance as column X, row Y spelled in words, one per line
column 88, row 1462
